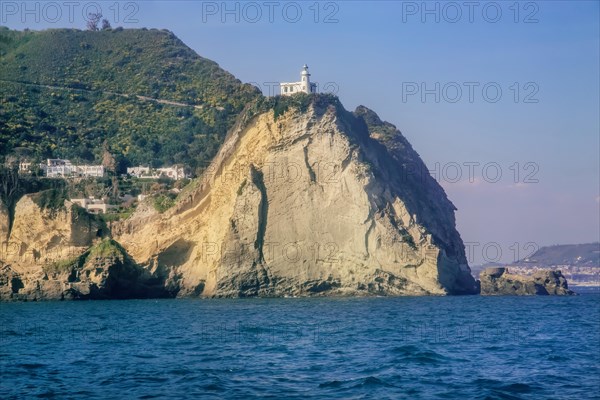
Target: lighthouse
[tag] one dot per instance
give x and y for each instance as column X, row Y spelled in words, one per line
column 305, row 82
column 304, row 86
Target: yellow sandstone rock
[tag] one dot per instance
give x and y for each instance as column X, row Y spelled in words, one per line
column 306, row 203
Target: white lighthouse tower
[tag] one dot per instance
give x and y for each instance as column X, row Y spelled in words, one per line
column 304, row 86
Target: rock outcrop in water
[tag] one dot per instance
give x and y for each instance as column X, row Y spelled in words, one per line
column 499, row 281
column 312, row 200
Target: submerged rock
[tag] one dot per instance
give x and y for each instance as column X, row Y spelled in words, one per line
column 499, row 281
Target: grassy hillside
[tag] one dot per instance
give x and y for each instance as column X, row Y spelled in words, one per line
column 64, row 92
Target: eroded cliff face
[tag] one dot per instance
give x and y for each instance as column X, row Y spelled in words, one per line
column 316, row 202
column 61, row 254
column 41, row 235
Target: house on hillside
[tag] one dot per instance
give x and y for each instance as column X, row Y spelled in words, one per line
column 175, row 172
column 94, row 206
column 58, row 168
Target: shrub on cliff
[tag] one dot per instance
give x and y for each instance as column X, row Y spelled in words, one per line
column 52, row 200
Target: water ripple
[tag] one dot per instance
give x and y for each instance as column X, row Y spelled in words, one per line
column 448, row 348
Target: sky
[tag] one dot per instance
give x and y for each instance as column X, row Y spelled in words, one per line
column 500, row 99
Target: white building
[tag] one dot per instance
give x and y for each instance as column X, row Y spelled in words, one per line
column 304, row 86
column 175, row 172
column 139, row 172
column 95, row 171
column 57, row 162
column 94, row 206
column 24, row 167
column 57, row 168
column 59, row 171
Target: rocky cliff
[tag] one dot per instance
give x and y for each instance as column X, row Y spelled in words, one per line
column 4, row 222
column 499, row 281
column 60, row 253
column 42, row 232
column 303, row 198
column 307, row 200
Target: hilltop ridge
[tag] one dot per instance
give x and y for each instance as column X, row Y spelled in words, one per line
column 64, row 92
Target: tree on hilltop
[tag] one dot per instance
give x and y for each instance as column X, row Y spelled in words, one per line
column 108, row 160
column 93, row 21
column 105, row 24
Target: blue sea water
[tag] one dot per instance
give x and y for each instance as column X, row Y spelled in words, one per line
column 376, row 348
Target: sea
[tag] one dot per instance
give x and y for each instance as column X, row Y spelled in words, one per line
column 468, row 347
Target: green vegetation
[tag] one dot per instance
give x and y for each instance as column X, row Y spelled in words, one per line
column 63, row 266
column 281, row 104
column 64, row 92
column 51, row 199
column 120, row 97
column 107, row 248
column 79, row 213
column 104, row 249
column 121, row 215
column 163, row 202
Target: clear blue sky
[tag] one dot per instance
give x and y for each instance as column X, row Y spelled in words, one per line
column 375, row 52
